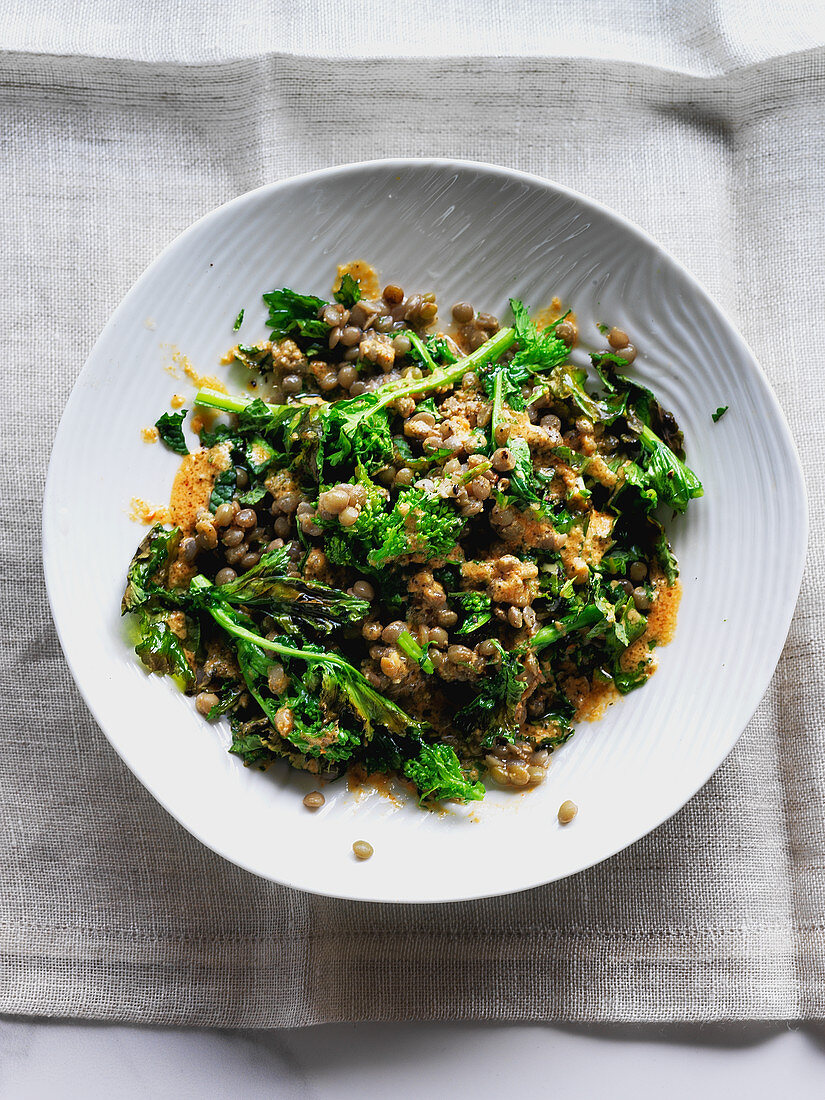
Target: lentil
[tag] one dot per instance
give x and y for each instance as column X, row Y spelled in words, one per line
column 224, row 515
column 205, row 701
column 246, row 519
column 567, row 811
column 463, row 312
column 348, row 516
column 233, row 537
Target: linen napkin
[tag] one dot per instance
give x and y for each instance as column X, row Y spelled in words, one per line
column 121, row 124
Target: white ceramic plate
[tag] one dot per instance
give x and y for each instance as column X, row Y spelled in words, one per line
column 466, row 231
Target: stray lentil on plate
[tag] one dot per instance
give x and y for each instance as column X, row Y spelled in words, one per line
column 567, row 811
column 362, row 849
column 420, row 550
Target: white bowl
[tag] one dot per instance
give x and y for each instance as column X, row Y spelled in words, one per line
column 466, row 231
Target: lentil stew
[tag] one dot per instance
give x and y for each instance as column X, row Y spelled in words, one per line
column 421, row 550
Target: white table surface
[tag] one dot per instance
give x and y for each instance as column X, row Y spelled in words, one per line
column 63, row 1060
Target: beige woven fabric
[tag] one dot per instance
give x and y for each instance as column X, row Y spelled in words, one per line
column 120, row 124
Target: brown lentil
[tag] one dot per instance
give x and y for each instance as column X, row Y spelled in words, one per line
column 393, row 632
column 641, row 600
column 246, row 519
column 224, row 515
column 459, row 654
column 348, row 516
column 334, row 500
column 188, row 550
column 346, row 376
column 314, row 800
column 567, row 811
column 638, row 571
column 233, row 537
column 393, row 665
column 205, row 701
column 503, row 460
column 627, row 353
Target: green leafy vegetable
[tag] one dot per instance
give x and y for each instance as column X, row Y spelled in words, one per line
column 627, row 680
column 150, row 561
column 523, row 484
column 437, row 774
column 477, row 609
column 224, row 488
column 258, row 454
column 418, row 523
column 253, row 495
column 170, row 430
column 161, row 650
column 251, row 742
column 433, row 352
column 356, row 429
column 674, row 482
column 238, row 321
column 492, row 713
column 720, row 412
column 582, row 617
column 538, row 349
column 348, row 292
column 665, row 556
column 229, row 695
column 634, row 491
column 339, row 678
column 269, row 586
column 293, row 314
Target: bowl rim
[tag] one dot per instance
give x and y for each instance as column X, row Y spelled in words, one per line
column 401, row 164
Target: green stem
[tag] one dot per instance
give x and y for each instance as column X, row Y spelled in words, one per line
column 446, row 376
column 438, row 378
column 213, row 399
column 224, row 619
column 408, row 645
column 495, row 416
column 549, row 634
column 421, row 348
